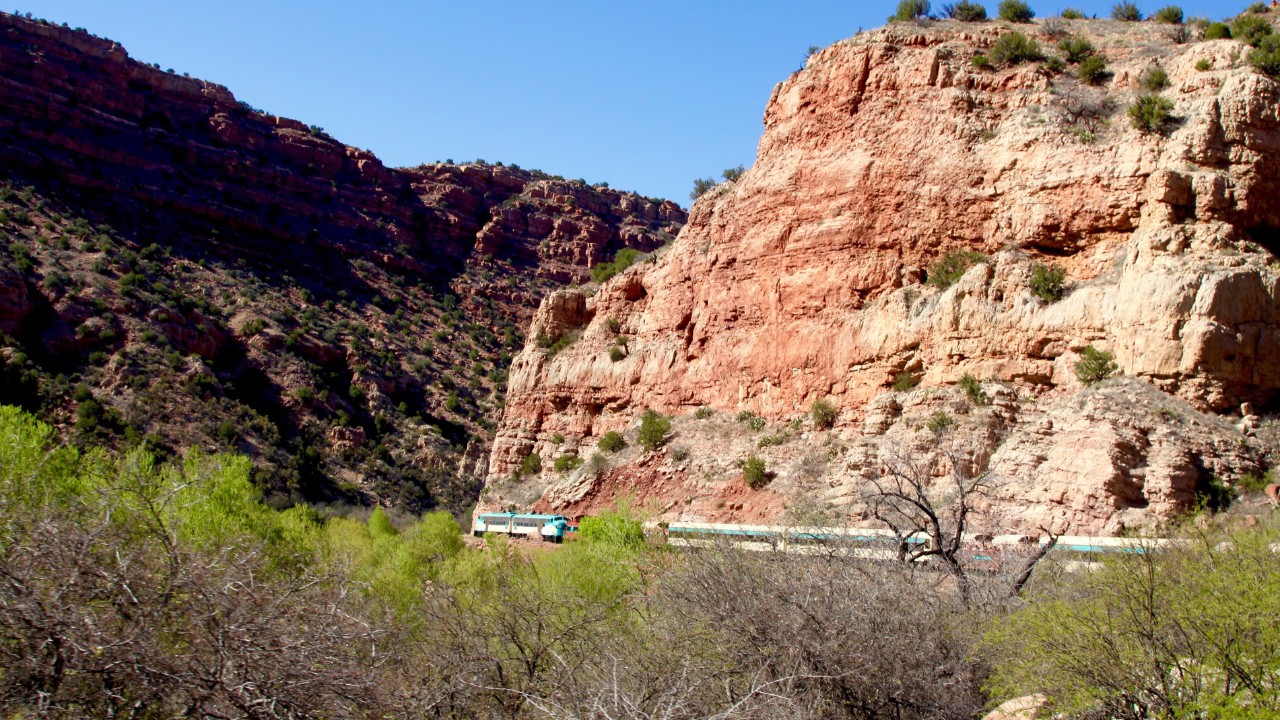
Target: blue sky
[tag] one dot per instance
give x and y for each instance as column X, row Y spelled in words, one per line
column 646, row 96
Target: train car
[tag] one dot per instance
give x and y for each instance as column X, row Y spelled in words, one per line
column 869, row 543
column 552, row 528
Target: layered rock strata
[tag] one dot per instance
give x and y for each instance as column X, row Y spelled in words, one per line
column 808, row 278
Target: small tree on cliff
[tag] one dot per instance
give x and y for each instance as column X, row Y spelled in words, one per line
column 654, row 427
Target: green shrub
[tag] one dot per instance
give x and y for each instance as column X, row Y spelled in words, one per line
column 1154, row 79
column 823, row 413
column 613, row 325
column 680, row 454
column 1169, row 14
column 755, row 473
column 700, row 187
column 1072, row 14
column 616, row 353
column 1016, row 11
column 625, row 258
column 982, row 62
column 654, row 427
column 251, row 327
column 940, row 421
column 556, row 344
column 1126, row 11
column 1092, row 70
column 910, row 10
column 965, row 11
column 1258, row 8
column 1076, row 49
column 733, row 174
column 612, row 442
column 745, row 416
column 1046, row 282
column 905, row 381
column 568, row 463
column 1266, row 57
column 948, row 269
column 1015, row 49
column 972, row 387
column 1250, row 29
column 1055, row 64
column 1151, row 113
column 532, row 465
column 703, row 412
column 1204, row 64
column 1095, row 365
column 1217, row 31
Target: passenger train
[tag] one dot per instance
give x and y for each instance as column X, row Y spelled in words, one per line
column 552, row 528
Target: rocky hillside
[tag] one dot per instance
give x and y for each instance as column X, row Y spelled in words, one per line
column 184, row 270
column 931, row 244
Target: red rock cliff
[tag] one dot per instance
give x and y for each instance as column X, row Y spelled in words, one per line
column 806, row 279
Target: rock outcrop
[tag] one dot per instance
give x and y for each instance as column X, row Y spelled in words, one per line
column 809, row 278
column 218, row 276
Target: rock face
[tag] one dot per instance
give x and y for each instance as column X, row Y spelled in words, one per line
column 218, row 276
column 807, row 278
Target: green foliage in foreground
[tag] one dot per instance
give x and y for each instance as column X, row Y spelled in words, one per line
column 1151, row 113
column 1179, row 633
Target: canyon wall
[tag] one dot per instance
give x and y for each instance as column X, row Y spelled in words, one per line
column 808, row 279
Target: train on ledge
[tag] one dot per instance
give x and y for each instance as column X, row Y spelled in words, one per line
column 551, row 528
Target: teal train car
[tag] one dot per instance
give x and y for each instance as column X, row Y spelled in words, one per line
column 551, row 528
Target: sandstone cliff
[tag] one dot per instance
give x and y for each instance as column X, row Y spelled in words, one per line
column 806, row 279
column 184, row 270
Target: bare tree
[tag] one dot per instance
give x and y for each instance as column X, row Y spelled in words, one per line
column 928, row 499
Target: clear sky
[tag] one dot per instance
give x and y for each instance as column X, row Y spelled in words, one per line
column 644, row 95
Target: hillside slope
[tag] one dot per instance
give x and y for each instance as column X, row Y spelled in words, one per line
column 817, row 275
column 182, row 269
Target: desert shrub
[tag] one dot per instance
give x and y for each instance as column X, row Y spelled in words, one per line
column 745, row 416
column 1076, row 49
column 616, row 353
column 703, row 412
column 654, row 427
column 948, row 269
column 1046, row 282
column 1154, row 79
column 733, row 174
column 567, row 463
column 1095, row 365
column 1266, row 57
column 1055, row 64
column 972, row 387
column 1250, row 29
column 1258, row 8
column 823, row 413
column 754, row 472
column 1204, row 64
column 1072, row 14
column 253, row 327
column 965, row 11
column 1217, row 31
column 905, row 381
column 910, row 10
column 612, row 442
column 700, row 187
column 940, row 421
column 1015, row 11
column 557, row 439
column 1151, row 113
column 1126, row 11
column 982, row 62
column 613, row 325
column 1168, row 634
column 680, row 454
column 1169, row 14
column 1015, row 49
column 625, row 258
column 1092, row 70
